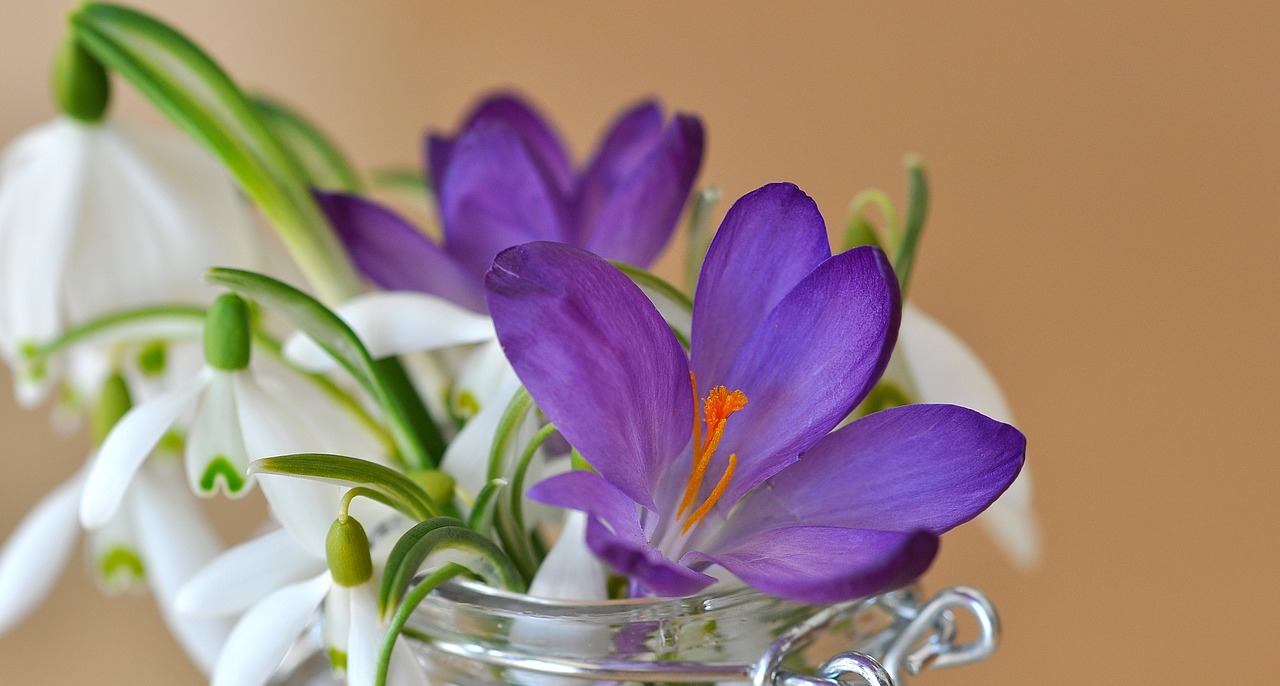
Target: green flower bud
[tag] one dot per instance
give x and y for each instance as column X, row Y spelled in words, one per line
column 113, row 402
column 438, row 485
column 347, row 550
column 227, row 333
column 80, row 83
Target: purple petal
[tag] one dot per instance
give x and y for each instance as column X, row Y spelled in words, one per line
column 769, row 240
column 395, row 255
column 640, row 211
column 438, row 151
column 614, row 533
column 526, row 122
column 630, row 139
column 597, row 358
column 817, row 564
column 809, row 363
column 929, row 467
column 495, row 195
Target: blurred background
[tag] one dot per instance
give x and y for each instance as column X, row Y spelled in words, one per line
column 1105, row 232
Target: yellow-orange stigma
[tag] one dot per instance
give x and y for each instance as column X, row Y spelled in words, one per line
column 719, row 404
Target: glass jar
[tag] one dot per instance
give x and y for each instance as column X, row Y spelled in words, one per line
column 468, row 634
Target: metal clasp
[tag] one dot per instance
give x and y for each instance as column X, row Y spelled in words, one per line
column 918, row 637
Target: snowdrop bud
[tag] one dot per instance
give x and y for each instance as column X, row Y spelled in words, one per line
column 113, row 402
column 80, row 83
column 347, row 550
column 227, row 333
column 437, row 484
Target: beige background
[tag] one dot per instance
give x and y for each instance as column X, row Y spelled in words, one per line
column 1104, row 232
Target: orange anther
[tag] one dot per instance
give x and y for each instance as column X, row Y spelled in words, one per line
column 719, row 404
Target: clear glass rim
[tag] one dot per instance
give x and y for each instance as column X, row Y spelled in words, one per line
column 478, row 595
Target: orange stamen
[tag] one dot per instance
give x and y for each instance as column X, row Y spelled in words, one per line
column 720, row 403
column 711, row 500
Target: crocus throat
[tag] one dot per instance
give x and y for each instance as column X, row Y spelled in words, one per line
column 716, row 408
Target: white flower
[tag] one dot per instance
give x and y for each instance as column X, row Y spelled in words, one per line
column 282, row 579
column 239, row 416
column 95, row 218
column 159, row 534
column 940, row 368
column 570, row 570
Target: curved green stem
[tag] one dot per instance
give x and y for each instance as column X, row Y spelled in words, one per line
column 879, row 198
column 406, row 608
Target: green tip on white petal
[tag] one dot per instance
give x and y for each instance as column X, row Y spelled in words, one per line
column 153, row 358
column 113, row 403
column 120, row 569
column 347, row 551
column 221, row 470
column 81, row 86
column 227, row 333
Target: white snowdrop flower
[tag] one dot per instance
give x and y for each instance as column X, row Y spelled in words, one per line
column 937, row 367
column 100, row 217
column 283, row 580
column 236, row 419
column 156, row 541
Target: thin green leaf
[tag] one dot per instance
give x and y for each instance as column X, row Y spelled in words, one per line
column 197, row 95
column 860, row 230
column 393, row 584
column 351, row 471
column 321, row 161
column 904, row 257
column 482, row 510
column 411, row 602
column 477, row 553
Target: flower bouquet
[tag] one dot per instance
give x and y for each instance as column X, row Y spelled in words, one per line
column 495, row 449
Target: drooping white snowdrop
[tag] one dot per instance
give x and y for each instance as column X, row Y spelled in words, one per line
column 97, row 216
column 236, row 416
column 283, row 580
column 156, row 541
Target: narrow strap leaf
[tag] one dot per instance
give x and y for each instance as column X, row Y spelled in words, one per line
column 410, row 499
column 476, row 552
column 322, row 163
column 917, row 208
column 482, row 510
column 424, row 588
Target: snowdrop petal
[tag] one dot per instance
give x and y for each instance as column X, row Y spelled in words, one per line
column 944, row 370
column 115, row 558
column 176, row 541
column 245, row 574
column 36, row 552
column 366, row 636
column 571, row 571
column 264, row 635
column 396, row 323
column 466, row 458
column 127, row 447
column 304, row 507
column 216, row 458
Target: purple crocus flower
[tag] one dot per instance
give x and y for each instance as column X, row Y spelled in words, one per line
column 506, row 179
column 786, row 340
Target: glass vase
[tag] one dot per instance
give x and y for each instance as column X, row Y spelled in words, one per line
column 468, row 634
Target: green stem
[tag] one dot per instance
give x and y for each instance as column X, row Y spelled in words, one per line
column 405, row 610
column 904, row 257
column 517, row 486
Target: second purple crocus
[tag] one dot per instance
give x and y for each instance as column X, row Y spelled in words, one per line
column 506, row 179
column 725, row 456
